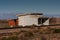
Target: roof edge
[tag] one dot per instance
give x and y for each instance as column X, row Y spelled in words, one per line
column 29, row 14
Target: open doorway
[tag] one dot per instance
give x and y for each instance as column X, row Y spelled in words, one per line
column 41, row 20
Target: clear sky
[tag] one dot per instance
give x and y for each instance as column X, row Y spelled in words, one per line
column 9, row 8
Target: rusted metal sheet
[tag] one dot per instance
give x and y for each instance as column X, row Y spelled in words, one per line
column 13, row 22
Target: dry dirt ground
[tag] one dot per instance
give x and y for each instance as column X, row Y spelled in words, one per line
column 33, row 33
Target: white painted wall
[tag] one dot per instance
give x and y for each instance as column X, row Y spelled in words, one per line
column 28, row 20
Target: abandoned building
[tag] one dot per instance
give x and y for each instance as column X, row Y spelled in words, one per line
column 29, row 19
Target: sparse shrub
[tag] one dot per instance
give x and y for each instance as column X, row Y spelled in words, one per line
column 29, row 34
column 10, row 38
column 26, row 35
column 56, row 31
column 4, row 38
column 13, row 38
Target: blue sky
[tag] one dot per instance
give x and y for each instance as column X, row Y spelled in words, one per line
column 9, row 8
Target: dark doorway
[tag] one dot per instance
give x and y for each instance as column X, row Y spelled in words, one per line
column 41, row 20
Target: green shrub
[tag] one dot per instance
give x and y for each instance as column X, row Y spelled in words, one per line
column 56, row 31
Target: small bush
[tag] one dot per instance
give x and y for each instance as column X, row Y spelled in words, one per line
column 56, row 31
column 29, row 34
